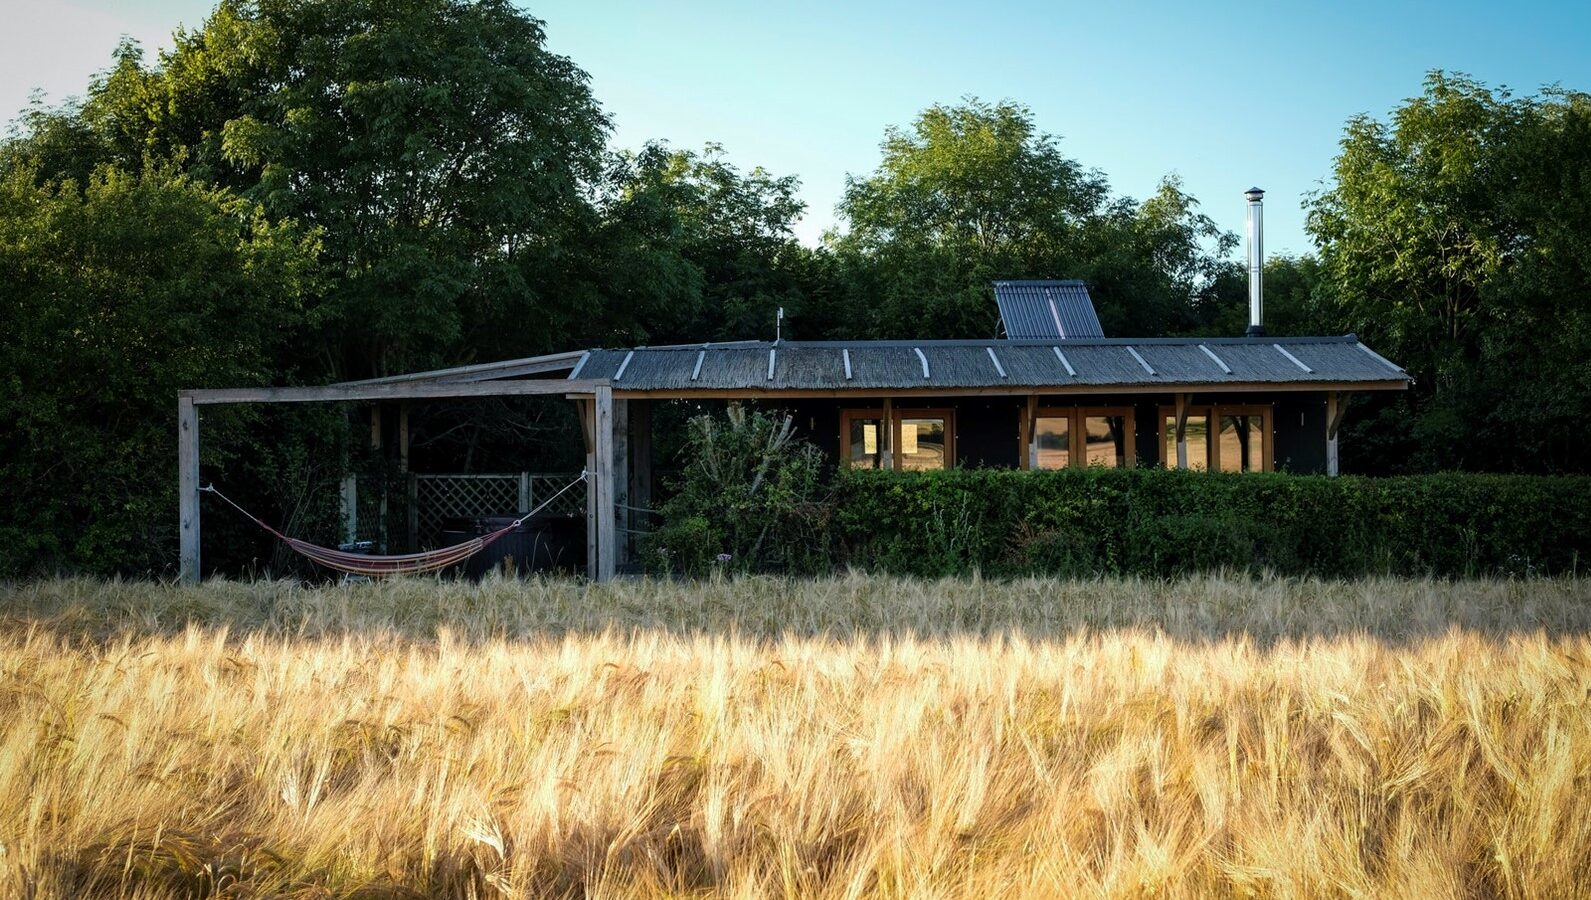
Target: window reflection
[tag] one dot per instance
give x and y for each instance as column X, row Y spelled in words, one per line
column 922, row 443
column 1242, row 446
column 1052, row 444
column 865, row 445
column 1105, row 441
column 1197, row 434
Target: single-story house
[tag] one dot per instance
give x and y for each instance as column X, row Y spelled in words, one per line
column 1053, row 391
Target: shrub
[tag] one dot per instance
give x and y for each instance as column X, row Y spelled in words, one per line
column 1155, row 522
column 751, row 497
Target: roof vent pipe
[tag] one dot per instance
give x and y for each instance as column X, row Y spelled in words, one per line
column 1256, row 261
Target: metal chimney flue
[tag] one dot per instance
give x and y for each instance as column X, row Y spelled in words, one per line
column 1256, row 262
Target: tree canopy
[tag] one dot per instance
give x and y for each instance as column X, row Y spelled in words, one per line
column 1454, row 236
column 975, row 193
column 304, row 191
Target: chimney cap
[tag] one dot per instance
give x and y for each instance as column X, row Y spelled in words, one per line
column 1254, row 193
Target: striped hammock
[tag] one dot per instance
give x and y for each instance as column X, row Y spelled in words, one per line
column 373, row 566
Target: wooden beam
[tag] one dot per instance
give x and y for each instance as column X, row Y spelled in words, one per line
column 1335, row 407
column 603, row 422
column 507, row 368
column 403, row 437
column 188, row 490
column 1015, row 390
column 589, row 431
column 393, row 391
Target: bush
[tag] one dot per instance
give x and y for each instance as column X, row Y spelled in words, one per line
column 751, row 498
column 1155, row 522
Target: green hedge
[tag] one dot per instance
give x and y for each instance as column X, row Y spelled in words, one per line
column 1156, row 522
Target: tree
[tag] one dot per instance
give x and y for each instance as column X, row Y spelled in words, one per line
column 976, row 193
column 120, row 292
column 443, row 151
column 735, row 229
column 1453, row 237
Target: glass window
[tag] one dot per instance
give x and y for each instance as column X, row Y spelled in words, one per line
column 1105, row 441
column 922, row 442
column 865, row 447
column 1242, row 447
column 1052, row 444
column 1197, row 435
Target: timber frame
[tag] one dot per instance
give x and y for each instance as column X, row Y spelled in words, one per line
column 1027, row 379
column 597, row 406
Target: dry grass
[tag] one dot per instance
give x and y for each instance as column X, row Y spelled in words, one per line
column 847, row 738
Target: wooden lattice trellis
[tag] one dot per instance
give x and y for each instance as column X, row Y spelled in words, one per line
column 438, row 498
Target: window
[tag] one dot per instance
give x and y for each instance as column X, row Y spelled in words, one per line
column 1197, row 435
column 1079, row 436
column 1240, row 443
column 924, row 440
column 1052, row 443
column 1107, row 441
column 918, row 439
column 861, row 438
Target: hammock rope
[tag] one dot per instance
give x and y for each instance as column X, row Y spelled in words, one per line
column 376, row 566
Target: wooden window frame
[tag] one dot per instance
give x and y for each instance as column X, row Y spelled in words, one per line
column 895, row 416
column 946, row 413
column 1214, row 412
column 1076, row 439
column 847, row 416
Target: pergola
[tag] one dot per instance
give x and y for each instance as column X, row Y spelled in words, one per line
column 504, row 379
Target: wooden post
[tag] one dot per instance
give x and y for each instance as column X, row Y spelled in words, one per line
column 1030, row 438
column 588, row 431
column 1336, row 405
column 886, row 437
column 1182, row 431
column 350, row 508
column 188, row 489
column 603, row 422
column 403, row 438
column 621, row 481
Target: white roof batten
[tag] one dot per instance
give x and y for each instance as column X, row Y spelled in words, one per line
column 1141, row 361
column 924, row 359
column 1379, row 357
column 624, row 365
column 1065, row 362
column 1225, row 369
column 580, row 365
column 771, row 352
column 845, row 354
column 996, row 360
column 1296, row 361
column 697, row 372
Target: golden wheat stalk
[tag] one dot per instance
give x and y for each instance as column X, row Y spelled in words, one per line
column 853, row 737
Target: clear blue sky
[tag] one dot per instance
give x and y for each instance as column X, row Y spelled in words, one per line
column 1223, row 94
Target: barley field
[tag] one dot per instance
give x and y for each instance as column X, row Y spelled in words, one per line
column 854, row 737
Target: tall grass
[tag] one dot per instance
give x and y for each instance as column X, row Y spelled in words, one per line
column 844, row 738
